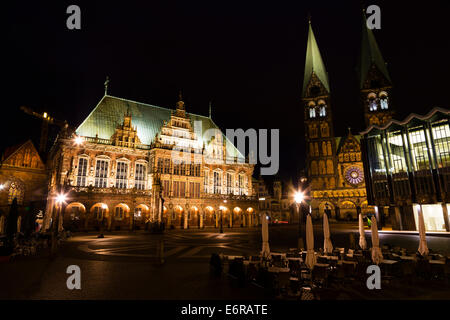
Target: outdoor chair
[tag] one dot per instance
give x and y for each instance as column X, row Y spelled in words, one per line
column 349, row 270
column 423, row 269
column 447, row 271
column 284, row 281
column 319, row 276
column 322, row 260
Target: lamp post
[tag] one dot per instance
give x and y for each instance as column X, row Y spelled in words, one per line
column 221, row 221
column 60, row 199
column 299, row 197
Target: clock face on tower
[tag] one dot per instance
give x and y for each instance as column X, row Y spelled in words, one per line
column 354, row 175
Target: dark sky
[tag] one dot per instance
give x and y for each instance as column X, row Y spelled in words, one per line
column 245, row 56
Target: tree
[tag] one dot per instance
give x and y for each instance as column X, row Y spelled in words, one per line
column 11, row 221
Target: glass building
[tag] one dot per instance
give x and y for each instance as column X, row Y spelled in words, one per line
column 407, row 169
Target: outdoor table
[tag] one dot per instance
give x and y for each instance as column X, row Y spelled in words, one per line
column 386, row 261
column 407, row 258
column 277, row 269
column 437, row 261
column 295, row 259
column 324, row 265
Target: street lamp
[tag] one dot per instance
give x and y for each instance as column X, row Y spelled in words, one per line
column 299, row 197
column 221, row 219
column 78, row 140
column 60, row 199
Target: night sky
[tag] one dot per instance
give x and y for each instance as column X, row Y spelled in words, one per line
column 245, row 57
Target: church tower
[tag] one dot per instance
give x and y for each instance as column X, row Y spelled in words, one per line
column 374, row 80
column 319, row 135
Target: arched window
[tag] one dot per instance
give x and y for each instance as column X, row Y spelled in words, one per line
column 325, row 132
column 383, row 101
column 312, row 112
column 119, row 214
column 15, row 191
column 330, row 169
column 324, row 148
column 316, row 149
column 322, row 169
column 372, row 100
column 313, row 167
column 322, row 112
column 329, row 148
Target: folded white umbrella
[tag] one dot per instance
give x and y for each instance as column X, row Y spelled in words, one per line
column 310, row 257
column 362, row 235
column 423, row 248
column 265, row 252
column 377, row 256
column 327, row 245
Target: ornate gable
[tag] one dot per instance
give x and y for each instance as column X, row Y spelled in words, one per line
column 125, row 135
column 24, row 156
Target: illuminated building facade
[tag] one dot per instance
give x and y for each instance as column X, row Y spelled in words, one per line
column 408, row 170
column 334, row 165
column 130, row 163
column 22, row 176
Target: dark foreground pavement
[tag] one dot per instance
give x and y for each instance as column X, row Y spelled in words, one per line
column 124, row 266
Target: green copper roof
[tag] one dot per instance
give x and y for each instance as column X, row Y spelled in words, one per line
column 370, row 54
column 314, row 63
column 147, row 119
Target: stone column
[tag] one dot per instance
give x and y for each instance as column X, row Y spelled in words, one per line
column 231, row 219
column 185, row 221
column 398, row 217
column 243, row 219
column 446, row 218
column 249, row 224
column 2, row 224
column 217, row 219
column 201, row 220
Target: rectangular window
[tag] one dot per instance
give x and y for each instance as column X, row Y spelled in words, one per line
column 419, row 149
column 205, row 181
column 139, row 182
column 182, row 169
column 82, row 172
column 166, row 188
column 241, row 184
column 176, row 169
column 176, row 189
column 101, row 173
column 217, row 182
column 167, row 166
column 191, row 190
column 121, row 175
column 441, row 139
column 182, row 189
column 229, row 183
column 160, row 165
column 197, row 190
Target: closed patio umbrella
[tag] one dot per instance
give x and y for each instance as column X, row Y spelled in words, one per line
column 310, row 257
column 362, row 235
column 423, row 248
column 265, row 252
column 377, row 256
column 327, row 245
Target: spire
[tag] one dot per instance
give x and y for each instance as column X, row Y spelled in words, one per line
column 210, row 109
column 106, row 85
column 314, row 63
column 370, row 54
column 180, row 103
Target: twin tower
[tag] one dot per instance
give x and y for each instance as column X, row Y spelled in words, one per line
column 334, row 181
